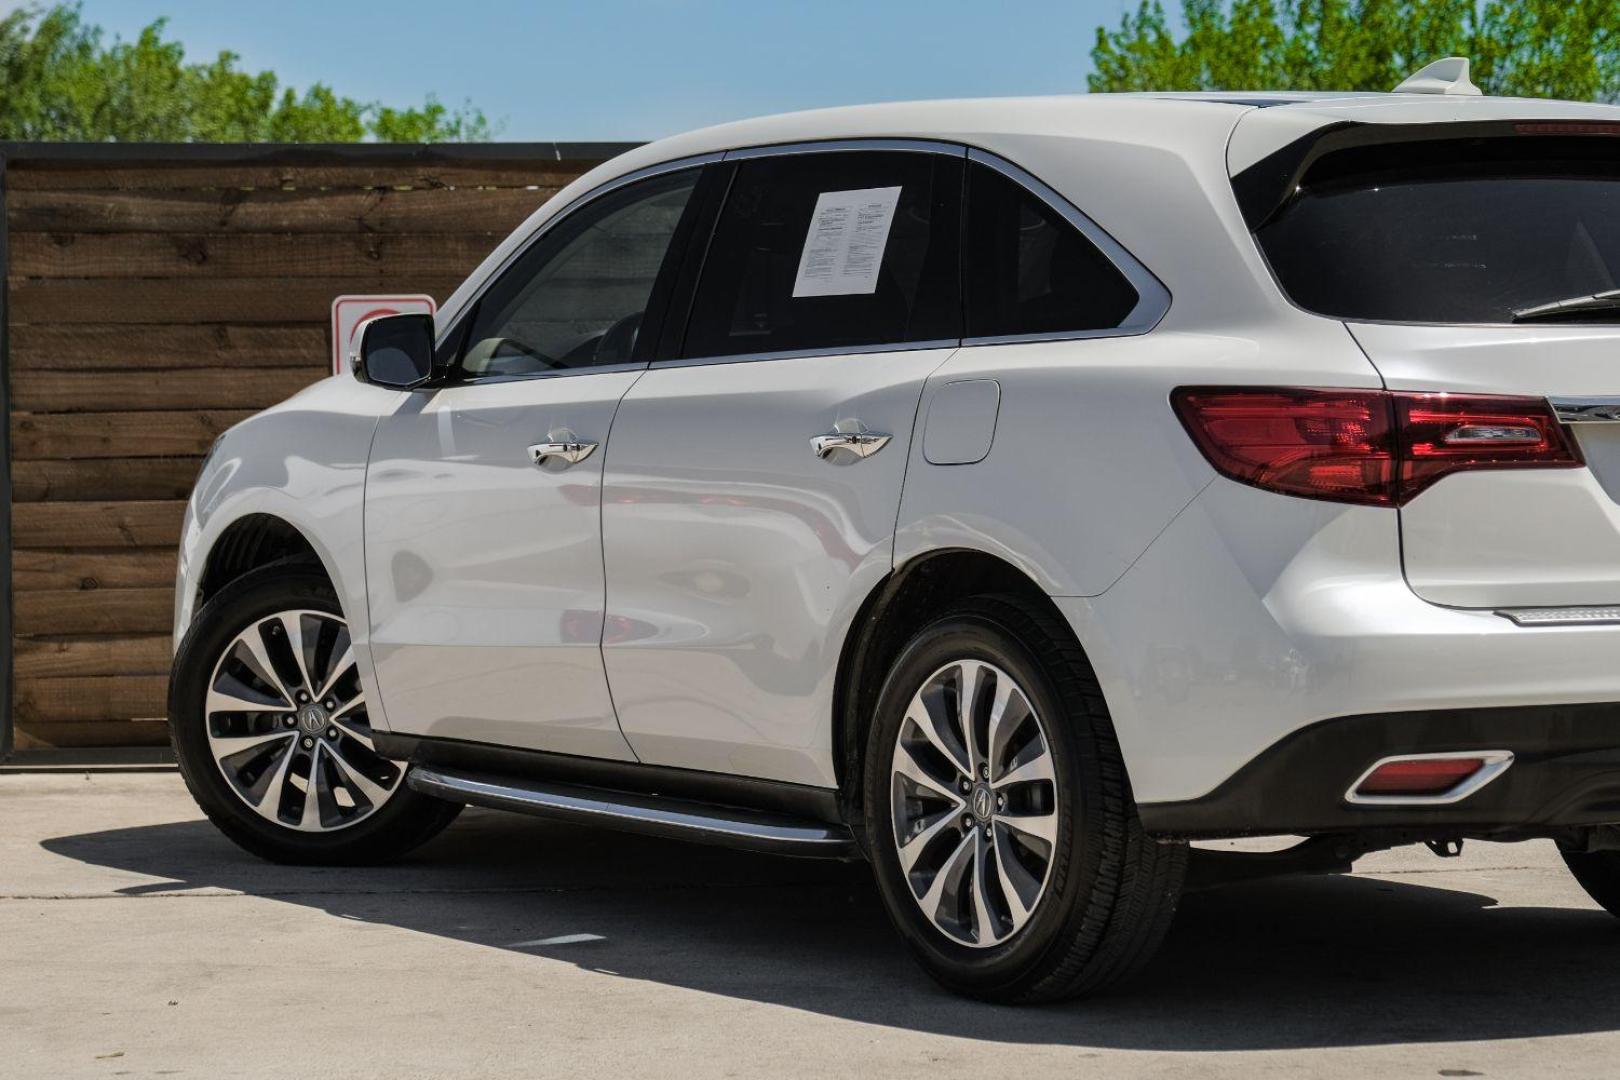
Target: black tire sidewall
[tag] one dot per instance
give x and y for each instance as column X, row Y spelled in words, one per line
column 388, row 831
column 997, row 970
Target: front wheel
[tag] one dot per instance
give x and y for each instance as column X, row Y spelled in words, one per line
column 270, row 726
column 999, row 816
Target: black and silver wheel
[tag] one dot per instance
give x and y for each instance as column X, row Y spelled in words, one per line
column 999, row 816
column 286, row 724
column 974, row 803
column 269, row 722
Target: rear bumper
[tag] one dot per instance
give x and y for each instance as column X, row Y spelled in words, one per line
column 1255, row 617
column 1565, row 774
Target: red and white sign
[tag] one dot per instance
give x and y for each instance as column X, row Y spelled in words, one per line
column 348, row 312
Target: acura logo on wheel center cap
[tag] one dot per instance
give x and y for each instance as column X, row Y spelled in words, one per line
column 312, row 718
column 981, row 802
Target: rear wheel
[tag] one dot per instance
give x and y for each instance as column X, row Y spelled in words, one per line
column 269, row 722
column 1599, row 874
column 999, row 816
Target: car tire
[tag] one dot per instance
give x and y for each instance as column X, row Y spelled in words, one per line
column 1598, row 872
column 1106, row 892
column 243, row 765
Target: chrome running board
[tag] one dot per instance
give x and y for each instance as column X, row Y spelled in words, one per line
column 679, row 819
column 1562, row 616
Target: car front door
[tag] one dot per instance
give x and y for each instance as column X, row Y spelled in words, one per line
column 482, row 507
column 753, row 482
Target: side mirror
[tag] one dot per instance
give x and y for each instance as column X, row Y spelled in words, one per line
column 395, row 351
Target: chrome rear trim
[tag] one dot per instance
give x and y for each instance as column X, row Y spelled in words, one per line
column 1495, row 763
column 1562, row 616
column 1586, row 410
column 681, row 819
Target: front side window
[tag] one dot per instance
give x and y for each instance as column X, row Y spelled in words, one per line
column 829, row 250
column 1028, row 270
column 578, row 296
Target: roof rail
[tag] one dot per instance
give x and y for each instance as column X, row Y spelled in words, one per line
column 1448, row 76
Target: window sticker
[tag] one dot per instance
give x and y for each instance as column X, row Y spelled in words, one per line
column 844, row 249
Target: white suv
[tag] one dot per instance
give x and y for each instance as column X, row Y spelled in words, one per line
column 1006, row 492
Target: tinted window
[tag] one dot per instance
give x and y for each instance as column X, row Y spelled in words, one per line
column 830, row 250
column 577, row 297
column 1029, row 271
column 1451, row 231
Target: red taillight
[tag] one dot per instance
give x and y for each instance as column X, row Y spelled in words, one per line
column 1366, row 446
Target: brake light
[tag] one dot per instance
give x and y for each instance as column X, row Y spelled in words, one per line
column 1374, row 447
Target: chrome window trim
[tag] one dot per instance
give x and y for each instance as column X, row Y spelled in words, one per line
column 1153, row 299
column 796, row 354
column 560, row 373
column 921, row 146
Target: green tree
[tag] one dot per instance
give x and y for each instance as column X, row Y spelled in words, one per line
column 59, row 79
column 1530, row 48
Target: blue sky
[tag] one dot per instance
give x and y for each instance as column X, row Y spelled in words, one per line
column 634, row 69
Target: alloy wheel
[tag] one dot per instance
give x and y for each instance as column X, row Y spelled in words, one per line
column 974, row 796
column 287, row 724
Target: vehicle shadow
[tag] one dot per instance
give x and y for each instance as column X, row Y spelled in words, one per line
column 1288, row 963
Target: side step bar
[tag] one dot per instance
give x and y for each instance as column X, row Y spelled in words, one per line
column 653, row 815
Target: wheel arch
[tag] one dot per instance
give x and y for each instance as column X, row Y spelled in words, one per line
column 251, row 541
column 925, row 584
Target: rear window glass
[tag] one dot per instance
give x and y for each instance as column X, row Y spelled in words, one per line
column 1451, row 231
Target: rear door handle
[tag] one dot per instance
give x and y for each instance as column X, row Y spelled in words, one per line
column 862, row 444
column 567, row 449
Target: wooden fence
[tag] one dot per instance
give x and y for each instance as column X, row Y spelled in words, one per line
column 154, row 296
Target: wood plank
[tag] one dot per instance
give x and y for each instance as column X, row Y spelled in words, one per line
column 80, row 525
column 88, row 733
column 120, row 568
column 93, row 611
column 133, row 654
column 373, row 261
column 80, row 347
column 30, row 177
column 478, row 210
column 178, row 300
column 116, row 697
column 105, row 391
column 104, row 479
column 133, row 434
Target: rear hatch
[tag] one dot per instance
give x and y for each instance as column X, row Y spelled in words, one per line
column 1444, row 248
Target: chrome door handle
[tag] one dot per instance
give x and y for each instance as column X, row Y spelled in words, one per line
column 862, row 444
column 573, row 451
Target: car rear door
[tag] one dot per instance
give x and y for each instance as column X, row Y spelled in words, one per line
column 753, row 482
column 1437, row 250
column 483, row 497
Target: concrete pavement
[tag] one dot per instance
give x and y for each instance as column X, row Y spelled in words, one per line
column 135, row 941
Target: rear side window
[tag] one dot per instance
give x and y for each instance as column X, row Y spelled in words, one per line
column 832, row 250
column 1451, row 231
column 1027, row 270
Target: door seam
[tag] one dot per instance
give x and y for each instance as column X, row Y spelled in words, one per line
column 601, row 545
